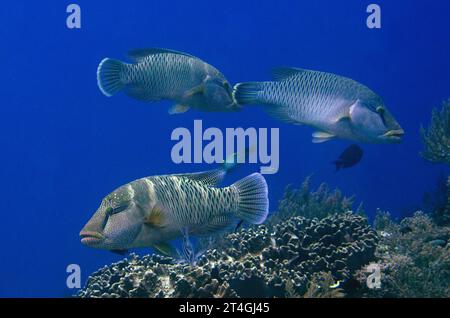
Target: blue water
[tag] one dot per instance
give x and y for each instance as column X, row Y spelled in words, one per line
column 64, row 145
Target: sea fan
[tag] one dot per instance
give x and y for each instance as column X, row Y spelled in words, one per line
column 436, row 139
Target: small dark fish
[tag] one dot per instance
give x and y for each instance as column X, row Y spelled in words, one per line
column 350, row 157
column 120, row 252
column 405, row 229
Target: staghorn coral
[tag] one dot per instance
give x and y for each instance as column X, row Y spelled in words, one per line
column 292, row 258
column 414, row 258
column 436, row 139
column 312, row 204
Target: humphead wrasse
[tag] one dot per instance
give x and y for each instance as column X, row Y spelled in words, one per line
column 151, row 211
column 162, row 74
column 338, row 107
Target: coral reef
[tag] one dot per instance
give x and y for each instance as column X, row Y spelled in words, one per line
column 437, row 203
column 436, row 139
column 414, row 258
column 297, row 256
column 312, row 204
column 321, row 285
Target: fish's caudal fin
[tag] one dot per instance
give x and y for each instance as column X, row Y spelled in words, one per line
column 246, row 93
column 109, row 76
column 339, row 164
column 253, row 201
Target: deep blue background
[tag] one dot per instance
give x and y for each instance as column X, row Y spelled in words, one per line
column 64, row 145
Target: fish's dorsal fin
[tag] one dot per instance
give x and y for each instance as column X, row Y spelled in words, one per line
column 283, row 73
column 345, row 114
column 321, row 136
column 178, row 109
column 138, row 54
column 209, row 178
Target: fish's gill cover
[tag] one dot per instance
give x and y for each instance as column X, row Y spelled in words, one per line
column 280, row 261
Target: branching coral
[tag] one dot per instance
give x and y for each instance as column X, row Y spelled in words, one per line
column 414, row 257
column 312, row 204
column 436, row 139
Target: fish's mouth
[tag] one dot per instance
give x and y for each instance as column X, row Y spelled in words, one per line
column 90, row 238
column 394, row 134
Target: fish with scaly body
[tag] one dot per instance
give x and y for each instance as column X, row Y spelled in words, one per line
column 349, row 157
column 162, row 74
column 151, row 211
column 335, row 105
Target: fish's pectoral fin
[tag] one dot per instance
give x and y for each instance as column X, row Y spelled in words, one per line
column 165, row 248
column 200, row 89
column 120, row 252
column 156, row 217
column 345, row 116
column 178, row 109
column 321, row 136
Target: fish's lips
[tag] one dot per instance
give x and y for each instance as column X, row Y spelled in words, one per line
column 90, row 238
column 395, row 135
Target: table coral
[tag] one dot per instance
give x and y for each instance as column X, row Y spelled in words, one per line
column 255, row 262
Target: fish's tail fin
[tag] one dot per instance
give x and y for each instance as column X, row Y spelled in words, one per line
column 109, row 76
column 338, row 165
column 253, row 201
column 247, row 93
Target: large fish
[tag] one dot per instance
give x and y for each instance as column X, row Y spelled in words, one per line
column 336, row 106
column 161, row 74
column 150, row 212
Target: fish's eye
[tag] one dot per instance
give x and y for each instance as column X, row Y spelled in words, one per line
column 122, row 207
column 380, row 110
column 108, row 210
